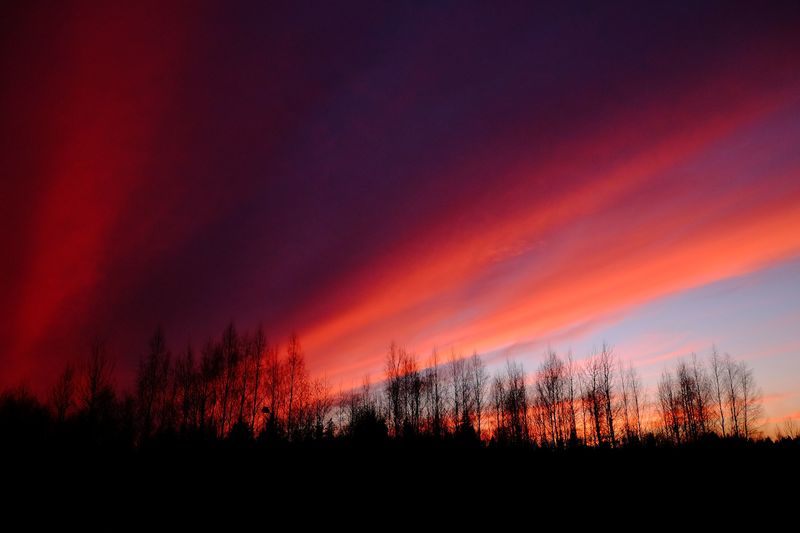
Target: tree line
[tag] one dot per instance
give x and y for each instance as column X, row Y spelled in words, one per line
column 239, row 386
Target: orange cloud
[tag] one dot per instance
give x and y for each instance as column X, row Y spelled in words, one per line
column 602, row 254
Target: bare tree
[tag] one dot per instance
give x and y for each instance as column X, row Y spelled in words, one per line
column 717, row 376
column 703, row 393
column 498, row 394
column 593, row 396
column 686, row 400
column 571, row 390
column 689, row 415
column 434, row 394
column 257, row 353
column 404, row 391
column 787, row 430
column 296, row 380
column 151, row 383
column 62, row 395
column 96, row 386
column 211, row 369
column 275, row 388
column 412, row 394
column 626, row 402
column 583, row 402
column 460, row 392
column 636, row 399
column 230, row 357
column 479, row 378
column 511, row 400
column 751, row 408
column 606, row 361
column 732, row 394
column 550, row 384
column 245, row 364
column 670, row 406
column 187, row 384
column 394, row 386
column 322, row 403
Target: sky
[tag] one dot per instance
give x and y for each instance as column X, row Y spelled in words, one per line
column 470, row 176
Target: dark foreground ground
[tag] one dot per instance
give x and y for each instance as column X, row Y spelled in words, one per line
column 304, row 483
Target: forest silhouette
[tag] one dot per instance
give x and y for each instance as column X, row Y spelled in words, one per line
column 243, row 417
column 241, row 390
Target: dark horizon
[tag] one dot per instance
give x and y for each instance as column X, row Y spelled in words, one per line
column 242, row 390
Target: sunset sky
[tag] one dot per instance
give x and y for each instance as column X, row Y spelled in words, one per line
column 497, row 177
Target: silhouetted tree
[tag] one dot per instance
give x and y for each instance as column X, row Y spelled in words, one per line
column 230, row 360
column 635, row 401
column 459, row 392
column 593, row 396
column 510, row 400
column 394, row 387
column 404, row 390
column 296, row 380
column 606, row 361
column 751, row 409
column 211, row 368
column 151, row 383
column 276, row 380
column 670, row 406
column 187, row 397
column 366, row 423
column 788, row 430
column 718, row 378
column 550, row 385
column 96, row 386
column 322, row 403
column 256, row 355
column 433, row 388
column 570, row 408
column 412, row 392
column 62, row 395
column 732, row 379
column 626, row 404
column 479, row 378
column 24, row 424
